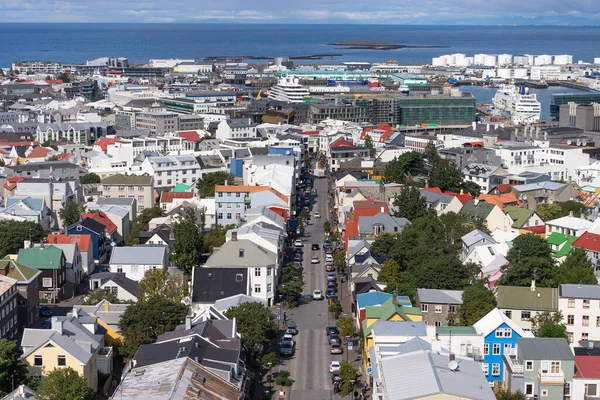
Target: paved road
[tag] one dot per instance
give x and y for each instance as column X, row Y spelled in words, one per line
column 309, row 367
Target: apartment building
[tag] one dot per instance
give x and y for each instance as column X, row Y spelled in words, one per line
column 138, row 187
column 580, row 307
column 231, row 203
column 170, row 171
column 38, row 67
column 126, row 150
column 8, row 307
column 439, row 307
column 157, row 123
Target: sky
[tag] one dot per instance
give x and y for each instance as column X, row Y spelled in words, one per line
column 401, row 12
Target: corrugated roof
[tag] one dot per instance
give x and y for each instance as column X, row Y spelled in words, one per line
column 120, row 179
column 523, row 298
column 47, row 257
column 83, row 241
column 241, row 253
column 544, row 349
column 586, row 367
column 588, row 241
column 573, row 291
column 144, row 255
column 168, row 197
column 439, row 296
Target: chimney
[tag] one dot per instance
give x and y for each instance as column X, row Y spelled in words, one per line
column 382, row 209
column 475, row 201
column 106, row 305
column 395, row 297
column 57, row 325
column 188, row 322
column 570, row 213
column 22, row 391
column 545, row 135
column 533, row 285
column 234, row 236
column 487, row 127
column 495, row 126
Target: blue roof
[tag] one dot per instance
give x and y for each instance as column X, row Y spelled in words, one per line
column 372, row 299
column 34, row 204
column 547, row 185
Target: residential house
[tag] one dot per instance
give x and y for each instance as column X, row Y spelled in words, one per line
column 130, row 204
column 238, row 128
column 135, row 261
column 9, row 326
column 167, row 199
column 441, row 203
column 138, row 187
column 502, row 200
column 490, row 213
column 491, row 258
column 269, row 237
column 525, row 220
column 569, row 225
column 74, row 268
column 107, row 317
column 365, row 208
column 170, row 171
column 340, row 154
column 84, row 244
column 27, row 209
column 124, row 288
column 23, row 392
column 45, row 170
column 392, row 333
column 120, row 216
column 463, row 341
column 372, row 299
column 533, row 194
column 580, row 307
column 210, row 285
column 590, row 242
column 51, row 261
column 161, row 235
column 439, row 307
column 500, row 337
column 28, row 297
column 224, row 304
column 232, row 203
column 540, row 368
column 560, row 244
column 472, row 239
column 586, row 381
column 486, row 176
column 373, row 226
column 100, row 245
column 521, row 304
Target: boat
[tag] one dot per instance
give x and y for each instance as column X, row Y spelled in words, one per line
column 288, row 90
column 522, row 107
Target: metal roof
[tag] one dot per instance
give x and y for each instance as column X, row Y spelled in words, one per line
column 573, row 291
column 439, row 296
column 138, row 255
column 544, row 349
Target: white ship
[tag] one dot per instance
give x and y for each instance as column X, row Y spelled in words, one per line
column 521, row 107
column 288, row 90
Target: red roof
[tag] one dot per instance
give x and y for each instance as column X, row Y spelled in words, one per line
column 433, row 190
column 167, row 197
column 505, row 188
column 587, row 367
column 369, row 208
column 310, row 132
column 387, row 132
column 538, row 230
column 99, row 216
column 104, row 142
column 588, row 241
column 462, row 197
column 83, row 241
column 190, row 136
column 39, row 152
column 340, row 142
column 11, row 182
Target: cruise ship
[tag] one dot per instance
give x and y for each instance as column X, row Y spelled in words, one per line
column 521, row 107
column 288, row 90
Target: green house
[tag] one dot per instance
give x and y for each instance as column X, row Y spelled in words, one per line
column 51, row 261
column 560, row 245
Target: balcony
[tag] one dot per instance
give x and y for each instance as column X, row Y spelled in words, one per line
column 516, row 368
column 549, row 378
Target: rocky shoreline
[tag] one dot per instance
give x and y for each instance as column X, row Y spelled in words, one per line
column 380, row 46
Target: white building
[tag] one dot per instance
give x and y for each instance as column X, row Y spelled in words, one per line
column 545, row 72
column 580, row 307
column 135, row 261
column 240, row 128
column 170, row 171
column 168, row 63
column 568, row 225
column 126, row 150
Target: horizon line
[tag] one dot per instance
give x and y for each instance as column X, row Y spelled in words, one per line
column 297, row 23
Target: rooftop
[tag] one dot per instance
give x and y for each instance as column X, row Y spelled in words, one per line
column 523, row 298
column 120, row 179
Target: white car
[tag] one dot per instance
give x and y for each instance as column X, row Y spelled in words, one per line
column 317, row 295
column 317, row 214
column 314, row 260
column 334, row 366
column 298, row 243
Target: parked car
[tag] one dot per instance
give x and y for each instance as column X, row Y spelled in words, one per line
column 288, row 338
column 317, row 295
column 314, row 260
column 317, row 214
column 292, row 329
column 332, row 286
column 332, row 296
column 334, row 366
column 298, row 258
column 330, row 267
column 334, row 338
column 336, row 348
column 331, row 278
column 47, row 324
column 298, row 243
column 45, row 311
column 315, row 246
column 286, row 349
column 332, row 330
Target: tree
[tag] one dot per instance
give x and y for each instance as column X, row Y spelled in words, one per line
column 65, row 384
column 71, row 213
column 327, row 226
column 471, row 188
column 144, row 321
column 255, row 323
column 14, row 233
column 140, row 224
column 369, row 145
column 97, row 295
column 529, row 259
column 402, row 169
column 410, row 203
column 549, row 325
column 576, row 269
column 477, row 302
column 215, row 237
column 556, row 210
column 447, row 177
column 283, row 378
column 391, row 271
column 186, row 249
column 349, row 375
column 292, row 291
column 508, row 395
column 206, row 184
column 66, row 78
column 346, row 326
column 89, row 178
column 270, row 360
column 12, row 371
column 157, row 283
column 52, row 158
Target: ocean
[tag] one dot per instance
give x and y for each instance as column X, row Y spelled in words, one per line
column 76, row 43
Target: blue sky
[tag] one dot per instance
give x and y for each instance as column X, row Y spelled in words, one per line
column 484, row 12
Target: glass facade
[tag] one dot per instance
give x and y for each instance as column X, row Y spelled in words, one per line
column 415, row 110
column 564, row 98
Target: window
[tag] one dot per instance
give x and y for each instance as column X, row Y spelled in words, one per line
column 140, row 198
column 597, row 322
column 228, row 215
column 529, row 388
column 584, row 336
column 585, row 320
column 220, row 205
column 121, row 188
column 120, row 269
column 528, row 365
column 269, row 287
column 495, row 369
column 237, row 194
column 220, row 194
column 570, row 319
column 47, row 282
column 256, row 271
column 135, row 268
column 544, row 392
column 525, row 315
column 424, row 307
column 544, row 367
column 591, row 389
column 496, row 349
column 508, row 313
column 140, row 188
column 486, row 368
column 228, row 205
column 555, row 367
column 238, row 216
column 62, row 361
column 571, row 303
column 219, row 216
column 486, row 349
column 37, row 361
column 257, row 288
column 571, row 337
column 241, row 255
column 114, row 289
column 438, row 308
column 239, row 277
column 586, row 304
column 507, row 348
column 438, row 323
column 269, row 271
column 451, row 308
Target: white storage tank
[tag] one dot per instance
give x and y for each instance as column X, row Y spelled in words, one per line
column 521, row 60
column 563, row 59
column 459, row 60
column 479, row 59
column 596, row 60
column 438, row 61
column 520, row 73
column 450, row 59
column 504, row 73
column 530, row 59
column 489, row 61
column 504, row 60
column 469, row 60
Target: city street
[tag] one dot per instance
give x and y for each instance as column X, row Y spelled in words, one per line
column 309, row 367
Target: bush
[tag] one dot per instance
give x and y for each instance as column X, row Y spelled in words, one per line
column 283, row 379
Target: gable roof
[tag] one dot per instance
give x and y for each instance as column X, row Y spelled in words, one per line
column 120, row 179
column 439, row 296
column 372, row 299
column 212, row 284
column 544, row 349
column 571, row 222
column 20, row 272
column 47, row 257
column 408, row 328
column 523, row 298
column 83, row 241
column 565, row 242
column 241, row 253
column 492, row 320
column 586, row 367
column 39, row 152
column 168, row 197
column 519, row 215
column 588, row 241
column 477, row 209
column 475, row 236
column 390, row 224
column 120, row 279
column 501, row 200
column 101, row 217
column 142, row 255
column 93, row 225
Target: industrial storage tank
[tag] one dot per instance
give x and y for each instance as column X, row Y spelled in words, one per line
column 479, row 59
column 504, row 73
column 521, row 60
column 450, row 59
column 520, row 73
column 438, row 61
column 530, row 58
column 596, row 60
column 505, row 59
column 489, row 61
column 460, row 60
column 563, row 59
column 543, row 59
column 469, row 60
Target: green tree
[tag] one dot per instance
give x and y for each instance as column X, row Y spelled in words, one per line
column 283, row 378
column 52, row 158
column 556, row 210
column 404, row 168
column 471, row 188
column 216, row 237
column 508, row 395
column 270, row 360
column 64, row 384
column 410, row 204
column 369, row 145
column 97, row 295
column 206, row 184
column 349, row 375
column 327, row 226
column 255, row 323
column 292, row 290
column 140, row 224
column 66, row 78
column 576, row 269
column 346, row 326
column 549, row 324
column 12, row 371
column 447, row 177
column 89, row 178
column 158, row 283
column 144, row 321
column 14, row 233
column 186, row 249
column 391, row 271
column 433, row 158
column 477, row 302
column 529, row 259
column 71, row 213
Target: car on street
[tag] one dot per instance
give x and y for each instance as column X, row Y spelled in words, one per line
column 317, row 214
column 334, row 338
column 286, row 349
column 288, row 338
column 292, row 329
column 317, row 295
column 330, row 267
column 298, row 257
column 334, row 366
column 45, row 311
column 331, row 278
column 331, row 286
column 314, row 260
column 47, row 324
column 332, row 330
column 335, row 348
column 298, row 243
column 315, row 246
column 332, row 296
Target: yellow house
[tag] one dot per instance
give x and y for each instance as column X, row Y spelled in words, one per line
column 73, row 341
column 108, row 316
column 388, row 311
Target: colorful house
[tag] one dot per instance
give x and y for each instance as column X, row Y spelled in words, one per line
column 97, row 233
column 526, row 220
column 560, row 244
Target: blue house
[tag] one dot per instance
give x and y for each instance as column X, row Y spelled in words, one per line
column 97, row 232
column 500, row 336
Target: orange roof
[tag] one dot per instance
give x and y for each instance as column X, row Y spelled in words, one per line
column 369, row 208
column 433, row 190
column 190, row 136
column 340, row 142
column 235, row 189
column 11, row 182
column 381, row 127
column 504, row 188
column 39, row 152
column 310, row 132
column 104, row 142
column 168, row 197
column 102, row 218
column 53, row 81
column 501, row 200
column 83, row 241
column 351, row 229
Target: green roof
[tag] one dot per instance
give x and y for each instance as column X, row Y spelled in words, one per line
column 48, row 257
column 564, row 242
column 20, row 272
column 556, row 238
column 523, row 298
column 182, row 187
column 120, row 179
column 455, row 330
column 519, row 215
column 385, row 311
column 480, row 210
